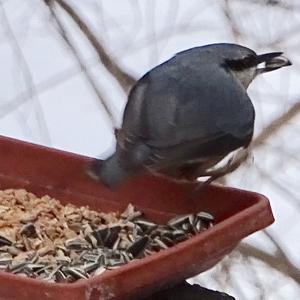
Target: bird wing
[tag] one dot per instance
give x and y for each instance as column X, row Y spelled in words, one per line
column 178, row 102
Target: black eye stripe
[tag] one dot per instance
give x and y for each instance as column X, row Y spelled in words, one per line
column 241, row 64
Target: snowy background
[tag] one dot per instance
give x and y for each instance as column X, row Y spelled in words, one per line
column 53, row 85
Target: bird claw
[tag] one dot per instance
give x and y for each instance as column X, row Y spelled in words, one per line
column 233, row 163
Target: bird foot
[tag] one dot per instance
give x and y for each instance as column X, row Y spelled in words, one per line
column 233, row 163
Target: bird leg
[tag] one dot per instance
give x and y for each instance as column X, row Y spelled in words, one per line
column 233, row 163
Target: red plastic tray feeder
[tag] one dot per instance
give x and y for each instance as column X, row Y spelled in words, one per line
column 61, row 174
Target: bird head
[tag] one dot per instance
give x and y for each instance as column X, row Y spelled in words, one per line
column 245, row 64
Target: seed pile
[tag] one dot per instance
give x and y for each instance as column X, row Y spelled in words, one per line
column 41, row 238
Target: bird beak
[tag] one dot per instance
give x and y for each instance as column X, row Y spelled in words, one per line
column 271, row 61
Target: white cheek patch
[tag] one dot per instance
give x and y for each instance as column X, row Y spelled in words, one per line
column 246, row 76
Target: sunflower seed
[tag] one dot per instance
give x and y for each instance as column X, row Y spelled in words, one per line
column 160, row 243
column 59, row 243
column 99, row 271
column 4, row 241
column 90, row 267
column 198, row 225
column 60, row 276
column 145, row 225
column 76, row 244
column 205, row 216
column 16, row 268
column 76, row 273
column 179, row 220
column 139, row 246
column 28, row 230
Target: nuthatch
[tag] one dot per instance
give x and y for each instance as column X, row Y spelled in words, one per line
column 186, row 115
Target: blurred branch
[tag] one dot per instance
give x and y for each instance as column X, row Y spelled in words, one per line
column 279, row 249
column 164, row 35
column 43, row 86
column 274, row 3
column 278, row 261
column 125, row 80
column 28, row 79
column 276, row 125
column 80, row 60
column 226, row 277
column 234, row 27
column 257, row 282
column 151, row 29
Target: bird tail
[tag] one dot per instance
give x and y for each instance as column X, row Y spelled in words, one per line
column 108, row 171
column 120, row 166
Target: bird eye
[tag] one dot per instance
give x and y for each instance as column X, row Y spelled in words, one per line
column 241, row 64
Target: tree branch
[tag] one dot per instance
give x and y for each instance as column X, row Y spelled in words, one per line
column 277, row 262
column 28, row 79
column 125, row 80
column 43, row 86
column 80, row 61
column 234, row 27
